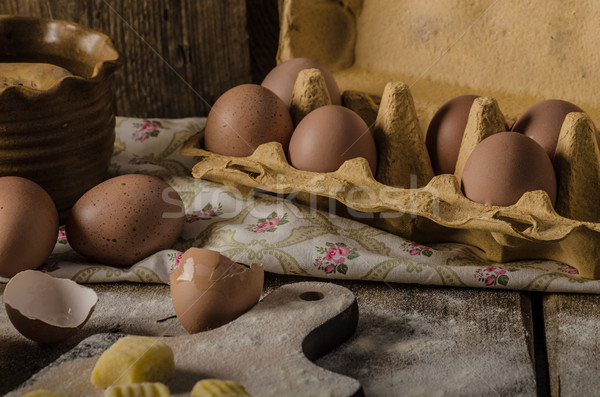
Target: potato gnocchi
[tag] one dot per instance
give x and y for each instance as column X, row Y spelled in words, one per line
column 156, row 389
column 218, row 388
column 134, row 359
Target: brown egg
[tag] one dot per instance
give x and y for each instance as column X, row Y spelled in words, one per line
column 282, row 78
column 209, row 290
column 28, row 225
column 47, row 309
column 445, row 133
column 328, row 136
column 542, row 122
column 504, row 166
column 245, row 117
column 125, row 219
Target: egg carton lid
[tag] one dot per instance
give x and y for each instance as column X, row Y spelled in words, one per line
column 516, row 52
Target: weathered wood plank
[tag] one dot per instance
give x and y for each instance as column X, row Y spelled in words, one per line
column 419, row 340
column 263, row 30
column 572, row 327
column 179, row 55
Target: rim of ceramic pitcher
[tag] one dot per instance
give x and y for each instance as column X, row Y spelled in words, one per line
column 103, row 68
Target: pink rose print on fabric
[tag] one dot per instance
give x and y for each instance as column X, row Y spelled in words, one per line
column 337, row 254
column 146, row 129
column 568, row 269
column 62, row 237
column 150, row 126
column 174, row 259
column 206, row 213
column 48, row 267
column 138, row 161
column 268, row 224
column 415, row 249
column 494, row 275
column 334, row 258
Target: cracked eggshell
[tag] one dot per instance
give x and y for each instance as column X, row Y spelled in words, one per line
column 125, row 219
column 47, row 309
column 209, row 290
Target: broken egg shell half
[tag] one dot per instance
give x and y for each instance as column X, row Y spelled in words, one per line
column 209, row 290
column 46, row 309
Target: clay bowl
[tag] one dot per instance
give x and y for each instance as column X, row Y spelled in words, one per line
column 57, row 127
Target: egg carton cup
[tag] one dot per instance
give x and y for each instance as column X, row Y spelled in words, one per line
column 406, row 199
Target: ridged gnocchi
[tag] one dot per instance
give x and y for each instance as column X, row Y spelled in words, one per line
column 155, row 389
column 134, row 359
column 218, row 388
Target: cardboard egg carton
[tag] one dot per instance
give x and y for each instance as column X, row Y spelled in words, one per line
column 404, row 197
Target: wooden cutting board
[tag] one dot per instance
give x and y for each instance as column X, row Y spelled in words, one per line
column 268, row 350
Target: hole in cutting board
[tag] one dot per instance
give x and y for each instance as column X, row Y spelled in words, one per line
column 312, row 296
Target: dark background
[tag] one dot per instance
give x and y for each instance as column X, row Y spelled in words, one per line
column 179, row 55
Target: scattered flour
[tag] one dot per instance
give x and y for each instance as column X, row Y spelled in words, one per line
column 399, row 351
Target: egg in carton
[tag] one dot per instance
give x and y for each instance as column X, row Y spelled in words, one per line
column 404, row 197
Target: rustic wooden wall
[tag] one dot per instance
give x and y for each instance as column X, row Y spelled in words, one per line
column 179, row 55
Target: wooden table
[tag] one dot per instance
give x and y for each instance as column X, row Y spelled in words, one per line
column 411, row 340
column 414, row 340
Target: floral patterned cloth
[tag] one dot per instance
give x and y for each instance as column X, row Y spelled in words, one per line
column 286, row 237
